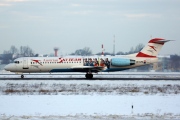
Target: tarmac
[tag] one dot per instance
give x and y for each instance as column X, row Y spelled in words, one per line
column 96, row 77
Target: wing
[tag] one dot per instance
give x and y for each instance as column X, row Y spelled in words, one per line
column 92, row 68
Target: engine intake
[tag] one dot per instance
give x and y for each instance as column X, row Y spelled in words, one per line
column 122, row 62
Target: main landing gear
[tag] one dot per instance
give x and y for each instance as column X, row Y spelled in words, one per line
column 22, row 76
column 89, row 75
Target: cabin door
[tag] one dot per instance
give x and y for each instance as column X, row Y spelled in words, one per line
column 25, row 63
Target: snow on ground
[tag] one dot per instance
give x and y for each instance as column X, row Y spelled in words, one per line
column 89, row 100
column 90, row 105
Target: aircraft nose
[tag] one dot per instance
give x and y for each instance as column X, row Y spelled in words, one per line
column 8, row 67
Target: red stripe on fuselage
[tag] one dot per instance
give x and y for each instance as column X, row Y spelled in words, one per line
column 140, row 54
column 37, row 61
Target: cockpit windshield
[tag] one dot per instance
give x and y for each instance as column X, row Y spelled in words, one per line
column 17, row 62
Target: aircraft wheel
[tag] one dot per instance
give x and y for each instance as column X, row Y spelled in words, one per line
column 89, row 76
column 22, row 76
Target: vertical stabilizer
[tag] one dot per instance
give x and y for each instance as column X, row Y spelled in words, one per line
column 152, row 49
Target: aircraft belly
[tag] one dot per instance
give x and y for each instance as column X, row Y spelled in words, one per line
column 35, row 68
column 50, row 68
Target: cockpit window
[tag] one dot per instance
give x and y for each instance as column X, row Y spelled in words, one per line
column 17, row 62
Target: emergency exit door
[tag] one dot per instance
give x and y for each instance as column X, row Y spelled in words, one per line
column 25, row 63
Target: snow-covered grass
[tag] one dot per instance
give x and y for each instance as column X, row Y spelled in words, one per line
column 83, row 87
column 146, row 116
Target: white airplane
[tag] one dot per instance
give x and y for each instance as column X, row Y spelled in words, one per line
column 88, row 65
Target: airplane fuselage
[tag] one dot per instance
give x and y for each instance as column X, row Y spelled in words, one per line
column 71, row 64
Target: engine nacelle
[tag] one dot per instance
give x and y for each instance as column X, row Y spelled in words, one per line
column 122, row 62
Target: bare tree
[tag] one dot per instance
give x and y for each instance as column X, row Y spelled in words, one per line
column 175, row 62
column 131, row 50
column 139, row 47
column 13, row 50
column 6, row 52
column 83, row 52
column 6, row 58
column 26, row 51
column 120, row 53
column 87, row 51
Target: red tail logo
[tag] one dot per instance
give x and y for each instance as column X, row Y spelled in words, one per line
column 152, row 47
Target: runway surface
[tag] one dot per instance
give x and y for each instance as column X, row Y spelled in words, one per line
column 111, row 76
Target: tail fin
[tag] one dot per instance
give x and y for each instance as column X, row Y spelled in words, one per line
column 152, row 48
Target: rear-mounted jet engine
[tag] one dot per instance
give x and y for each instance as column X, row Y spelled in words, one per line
column 122, row 62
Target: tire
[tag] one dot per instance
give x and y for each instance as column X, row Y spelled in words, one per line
column 22, row 76
column 89, row 76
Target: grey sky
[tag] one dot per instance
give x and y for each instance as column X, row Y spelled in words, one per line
column 75, row 24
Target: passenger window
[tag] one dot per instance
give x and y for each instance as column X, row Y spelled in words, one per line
column 17, row 62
